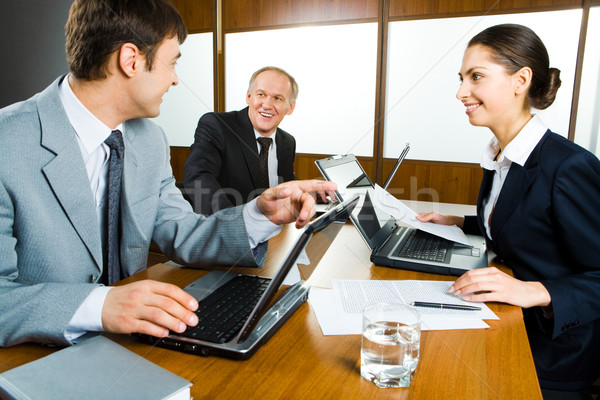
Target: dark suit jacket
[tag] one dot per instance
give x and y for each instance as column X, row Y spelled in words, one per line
column 546, row 227
column 222, row 169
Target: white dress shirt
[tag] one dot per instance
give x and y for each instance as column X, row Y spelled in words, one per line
column 91, row 134
column 518, row 151
column 272, row 159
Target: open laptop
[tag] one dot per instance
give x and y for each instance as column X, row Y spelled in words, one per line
column 238, row 313
column 397, row 246
column 351, row 178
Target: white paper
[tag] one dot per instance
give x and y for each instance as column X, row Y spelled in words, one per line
column 339, row 311
column 292, row 277
column 391, row 205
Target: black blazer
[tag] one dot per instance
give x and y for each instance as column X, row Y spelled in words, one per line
column 222, row 169
column 546, row 228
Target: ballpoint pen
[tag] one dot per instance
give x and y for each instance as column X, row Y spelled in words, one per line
column 444, row 305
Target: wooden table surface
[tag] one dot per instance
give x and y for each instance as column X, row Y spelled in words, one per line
column 299, row 362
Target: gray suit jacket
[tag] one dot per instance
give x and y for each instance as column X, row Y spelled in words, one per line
column 50, row 246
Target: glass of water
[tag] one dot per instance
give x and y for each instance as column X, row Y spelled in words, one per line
column 391, row 334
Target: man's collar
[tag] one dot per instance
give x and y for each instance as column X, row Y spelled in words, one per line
column 91, row 131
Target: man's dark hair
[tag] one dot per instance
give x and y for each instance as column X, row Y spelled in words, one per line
column 98, row 28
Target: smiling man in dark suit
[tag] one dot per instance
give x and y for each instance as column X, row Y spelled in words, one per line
column 224, row 168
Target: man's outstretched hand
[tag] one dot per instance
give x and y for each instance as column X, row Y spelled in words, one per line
column 294, row 201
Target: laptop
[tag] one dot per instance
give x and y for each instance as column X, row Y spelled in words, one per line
column 346, row 171
column 238, row 313
column 394, row 245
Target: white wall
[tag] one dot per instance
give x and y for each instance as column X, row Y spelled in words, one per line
column 424, row 58
column 335, row 67
column 184, row 104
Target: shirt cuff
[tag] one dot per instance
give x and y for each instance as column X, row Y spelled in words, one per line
column 88, row 316
column 259, row 228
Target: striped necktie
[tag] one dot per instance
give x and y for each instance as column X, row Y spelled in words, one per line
column 112, row 263
column 263, row 160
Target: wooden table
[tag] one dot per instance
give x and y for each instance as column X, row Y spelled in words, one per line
column 298, row 362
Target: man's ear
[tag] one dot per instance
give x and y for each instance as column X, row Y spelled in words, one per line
column 130, row 59
column 522, row 80
column 291, row 109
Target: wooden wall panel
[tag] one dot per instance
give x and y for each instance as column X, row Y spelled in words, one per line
column 240, row 15
column 443, row 182
column 179, row 155
column 415, row 180
column 198, row 15
column 436, row 8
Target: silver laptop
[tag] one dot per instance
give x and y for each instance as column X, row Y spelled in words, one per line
column 351, row 177
column 391, row 244
column 237, row 312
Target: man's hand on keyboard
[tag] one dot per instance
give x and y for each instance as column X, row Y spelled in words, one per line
column 148, row 307
column 294, row 201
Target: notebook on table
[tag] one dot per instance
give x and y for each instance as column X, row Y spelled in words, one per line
column 238, row 313
column 394, row 245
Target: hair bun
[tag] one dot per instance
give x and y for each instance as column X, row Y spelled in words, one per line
column 547, row 94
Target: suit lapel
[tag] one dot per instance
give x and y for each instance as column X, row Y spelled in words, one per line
column 516, row 185
column 484, row 191
column 132, row 236
column 66, row 173
column 248, row 146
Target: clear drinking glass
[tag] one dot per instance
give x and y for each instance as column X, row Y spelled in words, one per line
column 391, row 335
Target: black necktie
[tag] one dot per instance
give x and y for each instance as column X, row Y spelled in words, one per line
column 263, row 160
column 112, row 263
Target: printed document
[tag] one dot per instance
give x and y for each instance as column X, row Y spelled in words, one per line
column 339, row 310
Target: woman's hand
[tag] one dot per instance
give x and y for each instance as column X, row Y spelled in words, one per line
column 441, row 219
column 491, row 284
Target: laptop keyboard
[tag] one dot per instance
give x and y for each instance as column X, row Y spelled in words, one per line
column 222, row 314
column 424, row 246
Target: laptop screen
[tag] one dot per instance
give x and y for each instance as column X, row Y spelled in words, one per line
column 347, row 173
column 366, row 219
column 306, row 252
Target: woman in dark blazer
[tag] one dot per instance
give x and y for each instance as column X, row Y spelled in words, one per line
column 538, row 207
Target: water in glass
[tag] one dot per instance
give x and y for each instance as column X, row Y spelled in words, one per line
column 390, row 353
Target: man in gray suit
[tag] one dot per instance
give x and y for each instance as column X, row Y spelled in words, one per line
column 54, row 178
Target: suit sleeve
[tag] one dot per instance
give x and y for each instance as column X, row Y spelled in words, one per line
column 193, row 239
column 471, row 226
column 576, row 201
column 203, row 166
